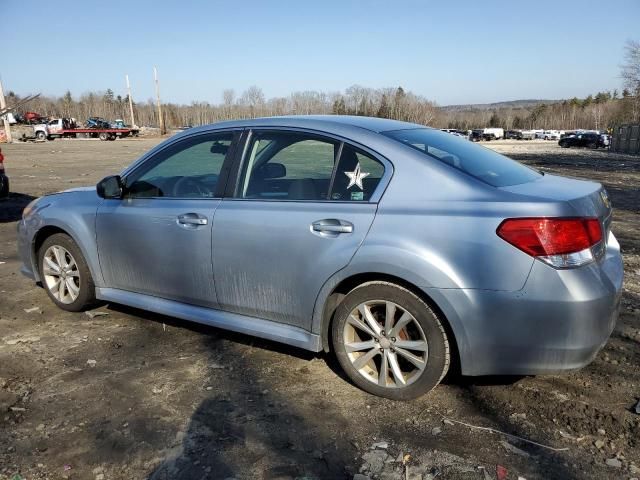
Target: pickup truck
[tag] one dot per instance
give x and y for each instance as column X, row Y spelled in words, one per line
column 68, row 127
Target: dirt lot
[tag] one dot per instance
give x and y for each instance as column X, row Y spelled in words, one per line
column 133, row 395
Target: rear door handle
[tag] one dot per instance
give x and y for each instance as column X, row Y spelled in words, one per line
column 192, row 219
column 332, row 227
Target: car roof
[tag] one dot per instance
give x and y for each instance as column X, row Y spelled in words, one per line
column 319, row 122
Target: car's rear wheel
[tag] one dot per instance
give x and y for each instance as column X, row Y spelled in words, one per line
column 65, row 274
column 389, row 342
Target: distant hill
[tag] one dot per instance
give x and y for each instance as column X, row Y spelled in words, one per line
column 498, row 105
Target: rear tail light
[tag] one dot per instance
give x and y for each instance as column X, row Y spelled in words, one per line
column 559, row 242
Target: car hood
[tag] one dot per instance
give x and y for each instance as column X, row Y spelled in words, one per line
column 70, row 190
column 80, row 189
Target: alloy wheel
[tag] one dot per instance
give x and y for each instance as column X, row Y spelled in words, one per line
column 385, row 343
column 61, row 274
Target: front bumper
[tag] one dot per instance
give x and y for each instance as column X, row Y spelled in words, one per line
column 559, row 321
column 25, row 250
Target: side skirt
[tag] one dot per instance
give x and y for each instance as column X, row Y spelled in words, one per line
column 278, row 332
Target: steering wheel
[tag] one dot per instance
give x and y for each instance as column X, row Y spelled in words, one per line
column 190, row 187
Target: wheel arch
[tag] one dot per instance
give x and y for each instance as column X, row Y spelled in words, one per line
column 47, row 231
column 347, row 284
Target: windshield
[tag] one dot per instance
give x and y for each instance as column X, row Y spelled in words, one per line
column 479, row 162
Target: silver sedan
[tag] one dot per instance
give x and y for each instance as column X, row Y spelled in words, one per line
column 401, row 249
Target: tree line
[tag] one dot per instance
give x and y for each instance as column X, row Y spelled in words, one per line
column 600, row 111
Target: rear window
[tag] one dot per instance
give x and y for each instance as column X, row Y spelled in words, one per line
column 479, row 162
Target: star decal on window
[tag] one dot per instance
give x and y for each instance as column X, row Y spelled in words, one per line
column 356, row 177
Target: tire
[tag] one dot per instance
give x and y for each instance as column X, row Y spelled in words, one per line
column 103, row 136
column 564, row 145
column 423, row 328
column 79, row 275
column 41, row 135
column 592, row 145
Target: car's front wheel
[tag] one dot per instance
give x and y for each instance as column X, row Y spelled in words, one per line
column 65, row 274
column 389, row 342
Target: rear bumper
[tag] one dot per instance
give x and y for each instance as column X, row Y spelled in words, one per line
column 559, row 321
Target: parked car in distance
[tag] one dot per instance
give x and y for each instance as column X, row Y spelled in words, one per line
column 4, row 180
column 513, row 135
column 481, row 134
column 589, row 140
column 456, row 132
column 400, row 248
column 496, row 132
column 551, row 135
column 97, row 122
column 528, row 135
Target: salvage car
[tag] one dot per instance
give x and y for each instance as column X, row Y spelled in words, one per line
column 513, row 135
column 401, row 249
column 589, row 140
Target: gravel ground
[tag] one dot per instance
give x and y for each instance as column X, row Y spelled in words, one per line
column 134, row 395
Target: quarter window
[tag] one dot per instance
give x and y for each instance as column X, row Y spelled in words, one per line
column 189, row 169
column 357, row 176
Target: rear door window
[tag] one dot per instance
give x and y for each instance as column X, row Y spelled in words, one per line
column 282, row 165
column 288, row 166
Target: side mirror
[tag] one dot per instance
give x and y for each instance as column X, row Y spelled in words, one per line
column 110, row 187
column 273, row 170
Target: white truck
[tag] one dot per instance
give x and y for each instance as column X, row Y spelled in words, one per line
column 68, row 127
column 496, row 132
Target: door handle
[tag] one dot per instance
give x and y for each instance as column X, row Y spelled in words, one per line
column 192, row 219
column 332, row 226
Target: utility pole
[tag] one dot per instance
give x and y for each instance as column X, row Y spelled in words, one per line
column 160, row 117
column 3, row 105
column 133, row 120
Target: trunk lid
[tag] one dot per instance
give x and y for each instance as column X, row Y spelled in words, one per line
column 587, row 198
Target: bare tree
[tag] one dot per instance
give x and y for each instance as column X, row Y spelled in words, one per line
column 630, row 72
column 253, row 98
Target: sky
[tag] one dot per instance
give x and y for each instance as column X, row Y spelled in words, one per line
column 451, row 52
